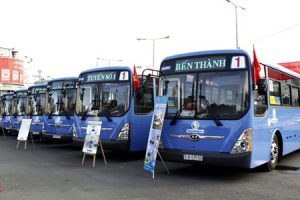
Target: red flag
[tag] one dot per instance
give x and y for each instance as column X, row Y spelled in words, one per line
column 136, row 81
column 256, row 67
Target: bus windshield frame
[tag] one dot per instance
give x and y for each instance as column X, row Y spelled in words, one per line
column 216, row 93
column 37, row 100
column 21, row 103
column 104, row 93
column 62, row 97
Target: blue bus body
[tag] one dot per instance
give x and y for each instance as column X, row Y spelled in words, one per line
column 37, row 107
column 7, row 119
column 124, row 126
column 20, row 104
column 217, row 114
column 59, row 121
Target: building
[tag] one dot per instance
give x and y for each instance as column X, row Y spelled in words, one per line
column 11, row 70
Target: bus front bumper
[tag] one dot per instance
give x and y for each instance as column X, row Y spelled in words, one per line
column 107, row 144
column 241, row 160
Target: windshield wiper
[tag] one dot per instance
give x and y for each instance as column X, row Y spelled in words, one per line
column 211, row 110
column 39, row 109
column 106, row 114
column 189, row 100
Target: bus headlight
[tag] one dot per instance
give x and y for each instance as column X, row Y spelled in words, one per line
column 244, row 143
column 75, row 135
column 124, row 133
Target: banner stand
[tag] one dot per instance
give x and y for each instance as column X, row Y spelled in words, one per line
column 25, row 141
column 155, row 134
column 3, row 132
column 92, row 141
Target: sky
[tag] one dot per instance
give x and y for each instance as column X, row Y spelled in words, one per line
column 65, row 37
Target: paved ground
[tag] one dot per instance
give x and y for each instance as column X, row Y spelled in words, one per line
column 54, row 171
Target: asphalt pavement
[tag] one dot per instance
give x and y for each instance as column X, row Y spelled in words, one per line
column 53, row 170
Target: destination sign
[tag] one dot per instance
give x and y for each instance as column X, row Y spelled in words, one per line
column 105, row 76
column 101, row 76
column 38, row 90
column 22, row 94
column 201, row 64
column 59, row 85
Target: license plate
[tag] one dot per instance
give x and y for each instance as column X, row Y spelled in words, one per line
column 56, row 136
column 192, row 157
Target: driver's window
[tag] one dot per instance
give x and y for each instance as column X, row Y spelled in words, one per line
column 143, row 99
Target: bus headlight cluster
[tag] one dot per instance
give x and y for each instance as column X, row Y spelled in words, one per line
column 124, row 133
column 244, row 143
column 74, row 132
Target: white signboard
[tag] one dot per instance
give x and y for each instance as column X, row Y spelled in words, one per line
column 24, row 129
column 91, row 141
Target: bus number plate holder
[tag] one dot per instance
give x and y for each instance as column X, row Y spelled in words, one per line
column 192, row 157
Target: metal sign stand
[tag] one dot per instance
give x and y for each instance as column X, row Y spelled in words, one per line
column 94, row 155
column 94, row 158
column 25, row 141
column 163, row 162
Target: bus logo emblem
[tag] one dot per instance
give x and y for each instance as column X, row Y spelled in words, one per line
column 195, row 137
column 195, row 125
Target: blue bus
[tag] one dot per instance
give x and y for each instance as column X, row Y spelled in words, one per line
column 7, row 111
column 37, row 107
column 59, row 120
column 217, row 115
column 20, row 105
column 107, row 94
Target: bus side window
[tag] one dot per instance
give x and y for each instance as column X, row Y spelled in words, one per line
column 295, row 96
column 143, row 100
column 285, row 94
column 275, row 97
column 260, row 99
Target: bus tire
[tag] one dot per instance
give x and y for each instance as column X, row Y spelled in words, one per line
column 274, row 155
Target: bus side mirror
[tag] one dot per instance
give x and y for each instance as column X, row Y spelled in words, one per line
column 262, row 87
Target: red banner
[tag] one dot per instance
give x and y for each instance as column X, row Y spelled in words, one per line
column 11, row 71
column 294, row 66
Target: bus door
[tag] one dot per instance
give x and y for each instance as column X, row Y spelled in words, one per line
column 143, row 110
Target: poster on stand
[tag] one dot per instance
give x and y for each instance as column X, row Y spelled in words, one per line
column 24, row 130
column 155, row 133
column 91, row 141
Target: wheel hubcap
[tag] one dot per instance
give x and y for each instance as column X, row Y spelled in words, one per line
column 274, row 152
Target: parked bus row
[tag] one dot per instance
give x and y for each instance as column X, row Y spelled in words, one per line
column 62, row 107
column 218, row 111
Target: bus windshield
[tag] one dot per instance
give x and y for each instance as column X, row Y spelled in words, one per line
column 21, row 105
column 37, row 103
column 105, row 99
column 207, row 95
column 8, row 107
column 62, row 101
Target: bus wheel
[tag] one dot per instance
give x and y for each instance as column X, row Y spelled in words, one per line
column 274, row 155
